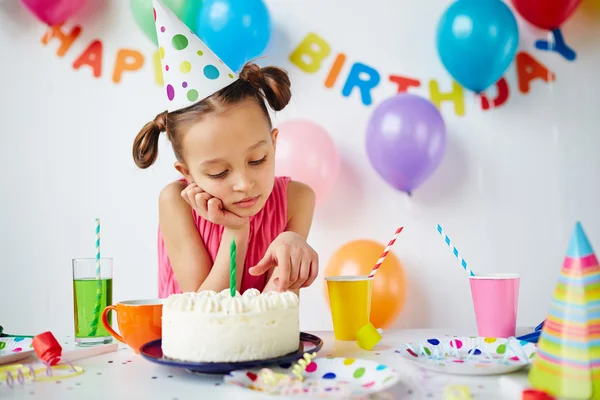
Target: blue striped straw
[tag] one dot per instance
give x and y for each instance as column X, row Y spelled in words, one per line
column 455, row 251
column 98, row 270
column 98, row 304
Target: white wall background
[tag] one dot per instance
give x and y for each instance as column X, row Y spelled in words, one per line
column 509, row 190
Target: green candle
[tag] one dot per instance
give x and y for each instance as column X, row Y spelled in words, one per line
column 232, row 273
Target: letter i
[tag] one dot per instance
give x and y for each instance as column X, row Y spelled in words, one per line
column 336, row 68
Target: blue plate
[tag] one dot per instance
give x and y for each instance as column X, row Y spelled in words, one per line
column 152, row 351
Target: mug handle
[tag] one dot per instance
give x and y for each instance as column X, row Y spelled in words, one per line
column 107, row 325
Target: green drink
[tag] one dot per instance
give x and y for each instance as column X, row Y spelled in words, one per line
column 85, row 302
column 87, row 310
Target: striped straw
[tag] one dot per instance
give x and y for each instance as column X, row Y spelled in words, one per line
column 385, row 252
column 454, row 250
column 98, row 304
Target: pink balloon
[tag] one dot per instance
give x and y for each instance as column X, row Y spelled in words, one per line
column 306, row 153
column 53, row 12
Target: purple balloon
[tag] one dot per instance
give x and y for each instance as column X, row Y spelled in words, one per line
column 406, row 140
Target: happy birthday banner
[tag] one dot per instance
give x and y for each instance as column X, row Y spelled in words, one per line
column 126, row 60
column 311, row 55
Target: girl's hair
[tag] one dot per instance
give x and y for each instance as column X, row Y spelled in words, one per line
column 269, row 83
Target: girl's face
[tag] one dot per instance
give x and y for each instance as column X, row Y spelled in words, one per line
column 230, row 155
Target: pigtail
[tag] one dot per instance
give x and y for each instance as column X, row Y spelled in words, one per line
column 273, row 82
column 145, row 145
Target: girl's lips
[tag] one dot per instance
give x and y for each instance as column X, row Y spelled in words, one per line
column 247, row 203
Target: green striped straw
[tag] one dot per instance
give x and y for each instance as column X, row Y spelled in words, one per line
column 97, row 310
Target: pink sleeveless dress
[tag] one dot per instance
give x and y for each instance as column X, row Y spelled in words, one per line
column 264, row 228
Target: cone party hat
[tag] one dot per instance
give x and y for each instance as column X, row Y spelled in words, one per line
column 191, row 71
column 567, row 363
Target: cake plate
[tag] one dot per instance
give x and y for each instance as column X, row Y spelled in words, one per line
column 152, row 351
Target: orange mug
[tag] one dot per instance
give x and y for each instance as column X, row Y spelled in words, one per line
column 140, row 322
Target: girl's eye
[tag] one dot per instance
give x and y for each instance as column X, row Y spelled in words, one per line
column 257, row 162
column 217, row 176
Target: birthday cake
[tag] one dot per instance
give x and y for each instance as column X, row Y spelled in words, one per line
column 215, row 327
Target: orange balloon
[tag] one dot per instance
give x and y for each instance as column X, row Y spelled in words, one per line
column 389, row 285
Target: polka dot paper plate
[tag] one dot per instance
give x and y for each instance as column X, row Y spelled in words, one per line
column 469, row 355
column 14, row 349
column 324, row 377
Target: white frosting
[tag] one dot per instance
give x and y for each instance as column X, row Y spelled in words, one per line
column 276, row 302
column 234, row 305
column 290, row 299
column 215, row 327
column 259, row 304
column 251, row 293
column 251, row 301
column 226, row 293
column 206, row 304
column 205, row 293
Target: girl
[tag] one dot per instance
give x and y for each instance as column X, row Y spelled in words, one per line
column 225, row 150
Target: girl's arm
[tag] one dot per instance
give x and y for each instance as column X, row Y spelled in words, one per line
column 218, row 278
column 301, row 206
column 189, row 258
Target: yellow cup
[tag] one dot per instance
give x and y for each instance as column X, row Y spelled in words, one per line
column 350, row 302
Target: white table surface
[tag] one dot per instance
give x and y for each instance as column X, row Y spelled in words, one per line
column 124, row 375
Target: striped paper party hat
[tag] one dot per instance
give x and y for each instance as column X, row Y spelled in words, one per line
column 191, row 71
column 567, row 363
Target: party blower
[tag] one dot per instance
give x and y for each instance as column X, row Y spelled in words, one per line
column 350, row 299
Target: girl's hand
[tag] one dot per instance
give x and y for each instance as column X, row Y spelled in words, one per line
column 297, row 263
column 211, row 208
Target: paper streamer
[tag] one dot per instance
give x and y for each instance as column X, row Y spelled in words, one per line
column 299, row 368
column 21, row 374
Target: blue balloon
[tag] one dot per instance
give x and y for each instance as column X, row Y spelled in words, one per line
column 235, row 30
column 476, row 41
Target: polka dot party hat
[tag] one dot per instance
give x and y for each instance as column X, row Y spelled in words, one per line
column 191, row 71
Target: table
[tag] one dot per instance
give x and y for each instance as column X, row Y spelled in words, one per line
column 124, row 375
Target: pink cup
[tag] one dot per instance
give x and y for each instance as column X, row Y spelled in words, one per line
column 495, row 299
